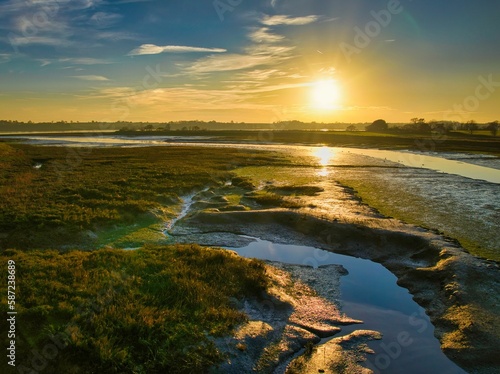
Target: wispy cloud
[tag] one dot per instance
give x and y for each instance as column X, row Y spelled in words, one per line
column 257, row 56
column 263, row 35
column 90, row 77
column 226, row 63
column 152, row 49
column 43, row 40
column 85, row 61
column 184, row 99
column 259, row 75
column 4, row 57
column 104, row 19
column 288, row 20
column 115, row 35
column 44, row 62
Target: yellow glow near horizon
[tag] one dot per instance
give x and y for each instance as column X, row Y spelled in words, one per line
column 325, row 94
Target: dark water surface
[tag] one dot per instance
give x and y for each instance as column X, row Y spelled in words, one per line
column 370, row 293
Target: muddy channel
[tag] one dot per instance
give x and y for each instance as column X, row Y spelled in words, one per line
column 353, row 291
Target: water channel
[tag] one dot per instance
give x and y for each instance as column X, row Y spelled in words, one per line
column 370, row 293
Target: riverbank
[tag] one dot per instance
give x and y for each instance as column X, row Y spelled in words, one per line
column 443, row 278
column 289, row 320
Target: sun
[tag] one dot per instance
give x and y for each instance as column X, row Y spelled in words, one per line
column 325, row 94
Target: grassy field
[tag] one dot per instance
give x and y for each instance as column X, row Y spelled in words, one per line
column 111, row 193
column 113, row 311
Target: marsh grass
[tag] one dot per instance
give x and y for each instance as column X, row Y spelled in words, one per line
column 272, row 200
column 473, row 233
column 147, row 311
column 294, row 190
column 102, row 189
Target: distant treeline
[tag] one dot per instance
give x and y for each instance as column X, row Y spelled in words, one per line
column 194, row 125
column 419, row 125
column 416, row 125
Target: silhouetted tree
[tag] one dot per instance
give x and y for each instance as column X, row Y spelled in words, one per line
column 378, row 125
column 351, row 128
column 471, row 126
column 424, row 127
column 493, row 127
column 417, row 120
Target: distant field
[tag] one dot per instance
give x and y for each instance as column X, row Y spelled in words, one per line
column 452, row 142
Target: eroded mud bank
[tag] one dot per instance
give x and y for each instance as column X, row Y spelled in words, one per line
column 457, row 290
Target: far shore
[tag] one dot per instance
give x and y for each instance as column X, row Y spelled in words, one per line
column 423, row 142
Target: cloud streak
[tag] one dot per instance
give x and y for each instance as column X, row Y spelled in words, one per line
column 288, row 20
column 152, row 49
column 263, row 35
column 96, row 78
column 256, row 56
column 85, row 61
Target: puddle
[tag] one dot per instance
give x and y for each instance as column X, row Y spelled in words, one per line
column 370, row 293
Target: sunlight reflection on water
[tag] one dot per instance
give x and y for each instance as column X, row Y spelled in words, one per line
column 325, row 156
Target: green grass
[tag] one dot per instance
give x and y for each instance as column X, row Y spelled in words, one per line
column 447, row 217
column 147, row 311
column 153, row 310
column 102, row 190
column 295, row 190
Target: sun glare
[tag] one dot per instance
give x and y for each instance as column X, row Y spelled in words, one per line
column 324, row 155
column 325, row 94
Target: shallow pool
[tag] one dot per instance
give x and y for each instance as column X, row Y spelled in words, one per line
column 370, row 293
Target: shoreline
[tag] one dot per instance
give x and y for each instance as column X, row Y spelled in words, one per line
column 435, row 270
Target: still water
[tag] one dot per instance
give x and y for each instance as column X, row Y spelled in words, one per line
column 370, row 293
column 410, row 159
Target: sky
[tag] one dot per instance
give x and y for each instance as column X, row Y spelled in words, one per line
column 249, row 61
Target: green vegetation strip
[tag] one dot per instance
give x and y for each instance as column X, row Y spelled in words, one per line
column 473, row 233
column 153, row 310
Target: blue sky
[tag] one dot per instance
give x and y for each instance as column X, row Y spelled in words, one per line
column 263, row 60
